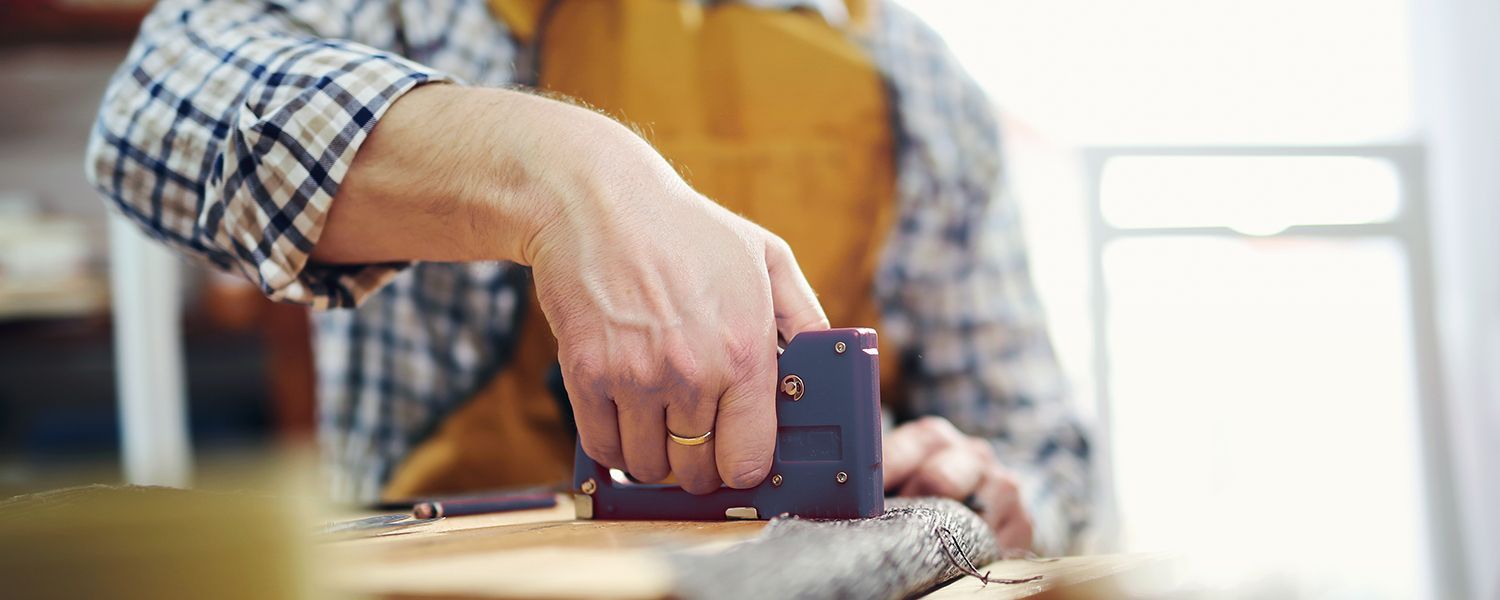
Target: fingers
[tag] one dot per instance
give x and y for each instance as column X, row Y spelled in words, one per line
column 907, row 447
column 694, row 466
column 746, row 422
column 1003, row 511
column 598, row 423
column 998, row 496
column 796, row 305
column 930, row 457
column 953, row 472
column 693, row 381
column 643, row 437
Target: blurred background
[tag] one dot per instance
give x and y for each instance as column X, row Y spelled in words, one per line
column 61, row 396
column 1265, row 233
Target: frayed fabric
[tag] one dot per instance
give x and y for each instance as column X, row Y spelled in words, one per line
column 917, row 545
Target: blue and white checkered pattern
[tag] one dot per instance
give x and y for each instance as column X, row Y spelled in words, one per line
column 228, row 129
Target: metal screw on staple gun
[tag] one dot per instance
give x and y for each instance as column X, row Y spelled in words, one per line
column 791, row 385
column 840, row 347
column 589, row 486
column 776, row 480
column 841, row 477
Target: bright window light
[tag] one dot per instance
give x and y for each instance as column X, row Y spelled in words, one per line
column 1257, row 195
column 1259, row 397
column 1263, row 405
column 1190, row 71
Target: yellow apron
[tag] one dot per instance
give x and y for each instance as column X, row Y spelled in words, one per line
column 775, row 114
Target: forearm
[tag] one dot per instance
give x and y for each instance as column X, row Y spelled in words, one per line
column 454, row 174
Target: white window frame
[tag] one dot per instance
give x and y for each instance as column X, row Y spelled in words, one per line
column 1444, row 548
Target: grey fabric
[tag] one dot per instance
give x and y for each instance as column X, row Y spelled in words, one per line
column 915, row 546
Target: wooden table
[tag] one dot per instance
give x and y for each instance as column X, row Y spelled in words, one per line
column 547, row 554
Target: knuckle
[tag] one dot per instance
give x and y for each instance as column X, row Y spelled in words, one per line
column 632, row 369
column 584, row 369
column 684, row 370
column 939, row 431
column 640, row 374
column 746, row 350
column 693, row 406
column 606, row 454
column 699, row 394
column 942, row 429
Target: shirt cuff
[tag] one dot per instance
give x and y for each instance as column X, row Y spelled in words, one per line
column 293, row 142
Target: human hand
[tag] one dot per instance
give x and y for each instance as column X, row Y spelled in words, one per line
column 930, row 457
column 667, row 308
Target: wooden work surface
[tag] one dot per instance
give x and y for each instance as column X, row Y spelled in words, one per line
column 546, row 553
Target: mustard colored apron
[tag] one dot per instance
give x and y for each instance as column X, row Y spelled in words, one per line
column 777, row 115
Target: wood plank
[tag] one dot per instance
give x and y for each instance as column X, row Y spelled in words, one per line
column 545, row 553
column 542, row 553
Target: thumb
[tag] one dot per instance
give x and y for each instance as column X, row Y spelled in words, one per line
column 792, row 298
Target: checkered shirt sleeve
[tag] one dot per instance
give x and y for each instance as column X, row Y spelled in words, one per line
column 959, row 309
column 230, row 125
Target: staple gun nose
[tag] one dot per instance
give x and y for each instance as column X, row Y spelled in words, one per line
column 827, row 459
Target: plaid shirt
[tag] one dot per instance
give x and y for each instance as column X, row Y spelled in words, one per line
column 230, row 125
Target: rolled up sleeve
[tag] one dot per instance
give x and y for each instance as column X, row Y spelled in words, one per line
column 231, row 124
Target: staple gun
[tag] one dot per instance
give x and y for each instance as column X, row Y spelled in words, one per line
column 827, row 458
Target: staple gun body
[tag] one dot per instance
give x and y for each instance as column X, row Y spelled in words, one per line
column 827, row 459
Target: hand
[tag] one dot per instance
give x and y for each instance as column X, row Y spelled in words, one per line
column 666, row 306
column 930, row 457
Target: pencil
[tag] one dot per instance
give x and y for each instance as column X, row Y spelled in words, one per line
column 484, row 505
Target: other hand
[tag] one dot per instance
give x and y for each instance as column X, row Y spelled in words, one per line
column 930, row 457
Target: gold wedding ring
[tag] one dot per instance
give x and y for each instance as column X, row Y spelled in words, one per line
column 691, row 441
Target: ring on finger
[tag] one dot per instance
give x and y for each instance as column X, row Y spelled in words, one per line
column 690, row 441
